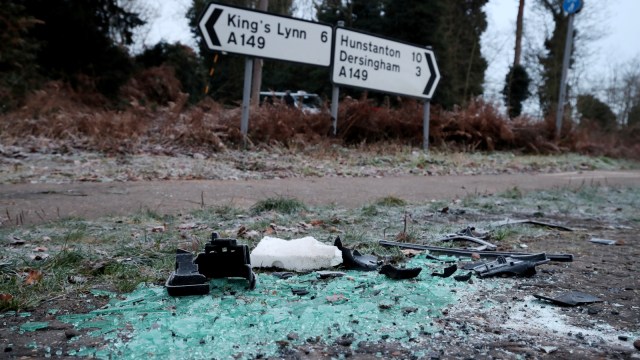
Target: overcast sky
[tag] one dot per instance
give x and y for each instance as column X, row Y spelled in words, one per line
column 615, row 22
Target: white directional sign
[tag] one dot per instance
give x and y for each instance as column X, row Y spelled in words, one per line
column 370, row 62
column 255, row 33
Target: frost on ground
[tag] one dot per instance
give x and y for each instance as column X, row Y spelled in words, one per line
column 24, row 165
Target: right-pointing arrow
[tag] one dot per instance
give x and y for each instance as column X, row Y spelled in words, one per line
column 434, row 74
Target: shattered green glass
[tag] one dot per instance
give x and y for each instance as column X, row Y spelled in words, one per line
column 33, row 326
column 233, row 321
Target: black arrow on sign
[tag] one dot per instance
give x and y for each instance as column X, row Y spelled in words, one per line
column 432, row 71
column 209, row 25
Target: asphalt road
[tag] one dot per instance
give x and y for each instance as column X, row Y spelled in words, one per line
column 35, row 203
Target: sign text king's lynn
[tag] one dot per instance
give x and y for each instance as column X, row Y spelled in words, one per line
column 254, row 33
column 370, row 62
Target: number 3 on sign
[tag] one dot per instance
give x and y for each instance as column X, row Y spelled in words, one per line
column 354, row 73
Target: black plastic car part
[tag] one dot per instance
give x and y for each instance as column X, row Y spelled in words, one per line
column 448, row 271
column 399, row 273
column 186, row 280
column 353, row 260
column 512, row 265
column 222, row 258
column 570, row 298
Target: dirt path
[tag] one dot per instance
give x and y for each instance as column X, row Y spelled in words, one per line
column 35, row 203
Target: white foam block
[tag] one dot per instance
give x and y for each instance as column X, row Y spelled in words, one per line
column 303, row 254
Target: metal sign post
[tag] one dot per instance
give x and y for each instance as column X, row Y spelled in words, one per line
column 571, row 7
column 335, row 98
column 370, row 62
column 425, row 125
column 246, row 97
column 259, row 34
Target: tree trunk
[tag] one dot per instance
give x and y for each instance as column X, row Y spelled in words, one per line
column 518, row 49
column 256, row 81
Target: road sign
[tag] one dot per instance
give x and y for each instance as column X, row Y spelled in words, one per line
column 572, row 6
column 370, row 62
column 255, row 33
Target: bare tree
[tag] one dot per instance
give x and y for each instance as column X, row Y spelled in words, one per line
column 519, row 19
column 623, row 90
column 546, row 74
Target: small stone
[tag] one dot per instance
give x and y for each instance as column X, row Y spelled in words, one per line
column 71, row 333
column 636, row 344
column 345, row 340
column 615, row 312
column 292, row 336
column 76, row 279
column 549, row 349
column 593, row 311
column 623, row 337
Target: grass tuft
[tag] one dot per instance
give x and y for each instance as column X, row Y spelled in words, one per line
column 390, row 201
column 280, row 204
column 370, row 210
column 513, row 193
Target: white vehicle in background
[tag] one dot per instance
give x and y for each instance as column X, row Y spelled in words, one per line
column 307, row 103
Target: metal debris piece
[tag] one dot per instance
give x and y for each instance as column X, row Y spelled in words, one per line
column 448, row 271
column 411, row 253
column 570, row 298
column 354, row 260
column 283, row 274
column 603, row 241
column 399, row 273
column 468, row 253
column 299, row 291
column 221, row 258
column 512, row 265
column 484, row 245
column 532, row 222
column 329, row 274
column 472, row 232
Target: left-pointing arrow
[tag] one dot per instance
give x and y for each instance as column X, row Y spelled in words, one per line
column 206, row 25
column 210, row 23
